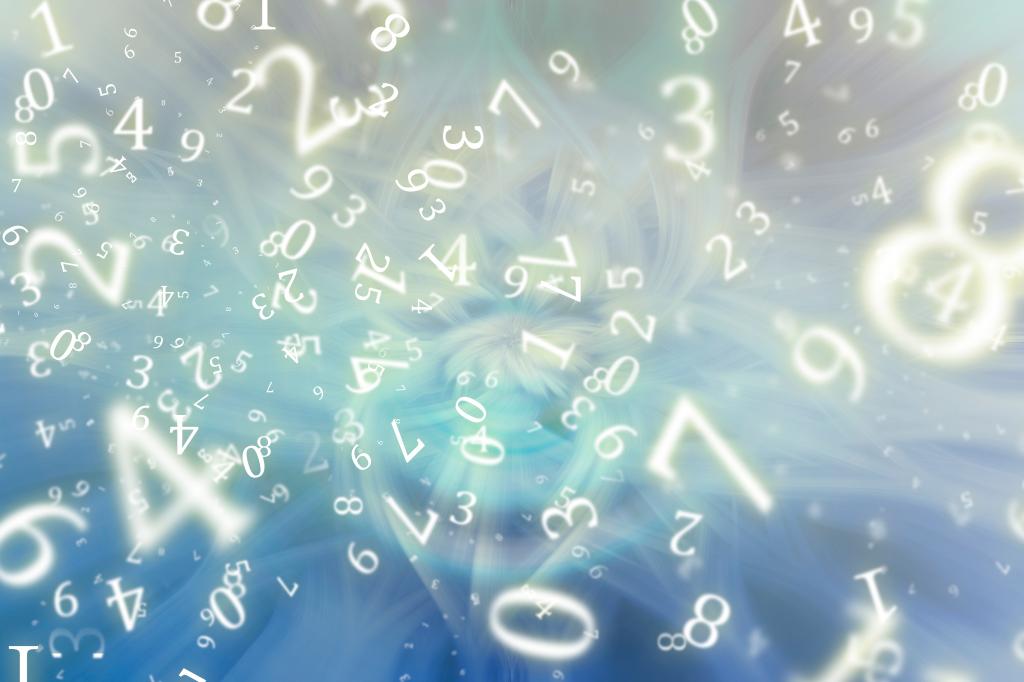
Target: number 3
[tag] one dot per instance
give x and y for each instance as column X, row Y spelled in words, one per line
column 692, row 117
column 467, row 508
column 463, row 141
column 553, row 512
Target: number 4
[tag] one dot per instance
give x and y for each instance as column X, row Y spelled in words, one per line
column 798, row 13
column 686, row 414
column 139, row 132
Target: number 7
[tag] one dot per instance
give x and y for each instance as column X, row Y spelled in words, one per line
column 503, row 88
column 401, row 443
column 683, row 415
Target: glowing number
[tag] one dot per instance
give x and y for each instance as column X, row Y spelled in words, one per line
column 110, row 291
column 505, row 89
column 366, row 562
column 913, row 22
column 74, row 131
column 51, row 29
column 139, row 133
column 428, row 179
column 463, row 140
column 702, row 620
column 978, row 93
column 565, row 64
column 196, row 494
column 462, row 266
column 563, row 354
column 798, row 13
column 645, row 334
column 422, row 536
column 467, row 508
column 685, row 414
column 392, row 34
column 196, row 149
column 692, row 117
column 729, row 269
column 867, row 24
column 692, row 520
column 694, row 33
column 844, row 355
column 307, row 178
column 24, row 521
column 537, row 647
column 306, row 139
column 566, row 514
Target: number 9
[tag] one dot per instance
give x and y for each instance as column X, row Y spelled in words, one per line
column 566, row 64
column 23, row 521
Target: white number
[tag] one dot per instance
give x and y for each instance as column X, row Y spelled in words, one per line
column 798, row 13
column 467, row 508
column 139, row 133
column 684, row 414
column 462, row 265
column 196, row 149
column 692, row 520
column 538, row 647
column 566, row 514
column 914, row 24
column 428, row 179
column 701, row 619
column 645, row 334
column 563, row 354
column 505, row 89
column 392, row 34
column 422, row 536
column 47, row 236
column 729, row 270
column 367, row 556
column 24, row 521
column 463, row 141
column 693, row 118
column 51, row 29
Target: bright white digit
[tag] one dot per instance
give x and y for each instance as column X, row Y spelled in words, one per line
column 196, row 148
column 537, row 647
column 693, row 117
column 563, row 354
column 195, row 493
column 686, row 414
column 566, row 514
column 466, row 508
column 844, row 355
column 861, row 19
column 318, row 190
column 462, row 266
column 366, row 562
column 798, row 22
column 24, row 521
column 110, row 291
column 422, row 536
column 561, row 62
column 138, row 132
column 700, row 619
column 505, row 89
column 43, row 10
column 692, row 520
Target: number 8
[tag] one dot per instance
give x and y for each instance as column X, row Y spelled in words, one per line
column 392, row 33
column 701, row 619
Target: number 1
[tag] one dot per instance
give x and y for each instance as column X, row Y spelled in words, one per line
column 51, row 29
column 264, row 25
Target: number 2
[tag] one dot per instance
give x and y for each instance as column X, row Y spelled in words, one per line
column 729, row 270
